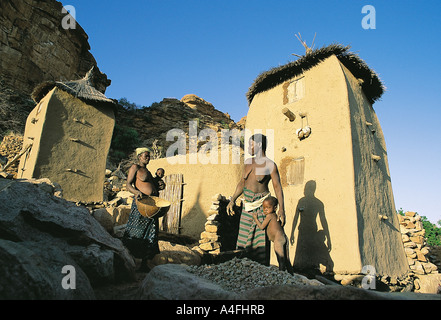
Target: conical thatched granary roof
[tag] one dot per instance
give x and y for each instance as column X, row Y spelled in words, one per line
column 82, row 89
column 372, row 85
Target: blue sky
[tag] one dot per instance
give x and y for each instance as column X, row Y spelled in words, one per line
column 216, row 48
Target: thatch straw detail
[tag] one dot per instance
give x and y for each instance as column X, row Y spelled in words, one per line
column 82, row 89
column 372, row 85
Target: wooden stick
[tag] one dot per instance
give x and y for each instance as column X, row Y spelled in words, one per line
column 288, row 113
column 18, row 156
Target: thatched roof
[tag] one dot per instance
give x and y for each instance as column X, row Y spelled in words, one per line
column 82, row 89
column 372, row 85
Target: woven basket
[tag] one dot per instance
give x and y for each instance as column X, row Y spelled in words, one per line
column 151, row 207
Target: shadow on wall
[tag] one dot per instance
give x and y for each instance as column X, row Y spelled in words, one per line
column 313, row 245
column 193, row 222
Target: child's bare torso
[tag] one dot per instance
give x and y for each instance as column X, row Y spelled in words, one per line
column 274, row 230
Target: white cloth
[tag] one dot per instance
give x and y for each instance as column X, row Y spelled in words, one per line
column 250, row 206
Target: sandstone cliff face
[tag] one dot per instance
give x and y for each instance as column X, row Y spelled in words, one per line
column 34, row 48
column 153, row 123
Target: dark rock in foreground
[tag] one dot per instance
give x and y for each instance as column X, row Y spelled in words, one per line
column 41, row 233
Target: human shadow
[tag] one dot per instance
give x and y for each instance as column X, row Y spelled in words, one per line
column 313, row 245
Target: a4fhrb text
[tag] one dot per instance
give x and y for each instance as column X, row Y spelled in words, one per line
column 233, row 309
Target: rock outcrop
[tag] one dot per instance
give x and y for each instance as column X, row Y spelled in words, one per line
column 41, row 233
column 206, row 108
column 34, row 47
column 154, row 122
column 31, row 271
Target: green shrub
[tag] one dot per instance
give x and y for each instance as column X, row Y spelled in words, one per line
column 124, row 140
column 129, row 106
column 433, row 233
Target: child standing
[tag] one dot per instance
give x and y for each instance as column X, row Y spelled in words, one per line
column 275, row 233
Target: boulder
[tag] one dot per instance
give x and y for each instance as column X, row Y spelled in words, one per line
column 31, row 214
column 104, row 218
column 174, row 282
column 125, row 196
column 428, row 283
column 31, row 271
column 174, row 254
column 96, row 262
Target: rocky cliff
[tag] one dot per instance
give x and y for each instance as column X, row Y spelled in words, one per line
column 34, row 47
column 153, row 123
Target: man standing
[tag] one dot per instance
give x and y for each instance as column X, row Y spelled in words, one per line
column 258, row 172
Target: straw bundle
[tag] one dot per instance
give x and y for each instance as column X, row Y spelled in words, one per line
column 82, row 89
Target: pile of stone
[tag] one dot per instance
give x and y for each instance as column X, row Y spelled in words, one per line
column 239, row 275
column 10, row 148
column 415, row 245
column 210, row 241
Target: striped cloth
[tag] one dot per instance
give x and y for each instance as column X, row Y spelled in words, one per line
column 251, row 237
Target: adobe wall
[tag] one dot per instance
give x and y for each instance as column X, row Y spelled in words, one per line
column 380, row 238
column 32, row 135
column 202, row 182
column 326, row 192
column 70, row 152
column 334, row 198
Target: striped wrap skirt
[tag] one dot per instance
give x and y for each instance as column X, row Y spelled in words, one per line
column 250, row 236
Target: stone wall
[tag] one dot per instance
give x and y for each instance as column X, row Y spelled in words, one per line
column 415, row 244
column 218, row 239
